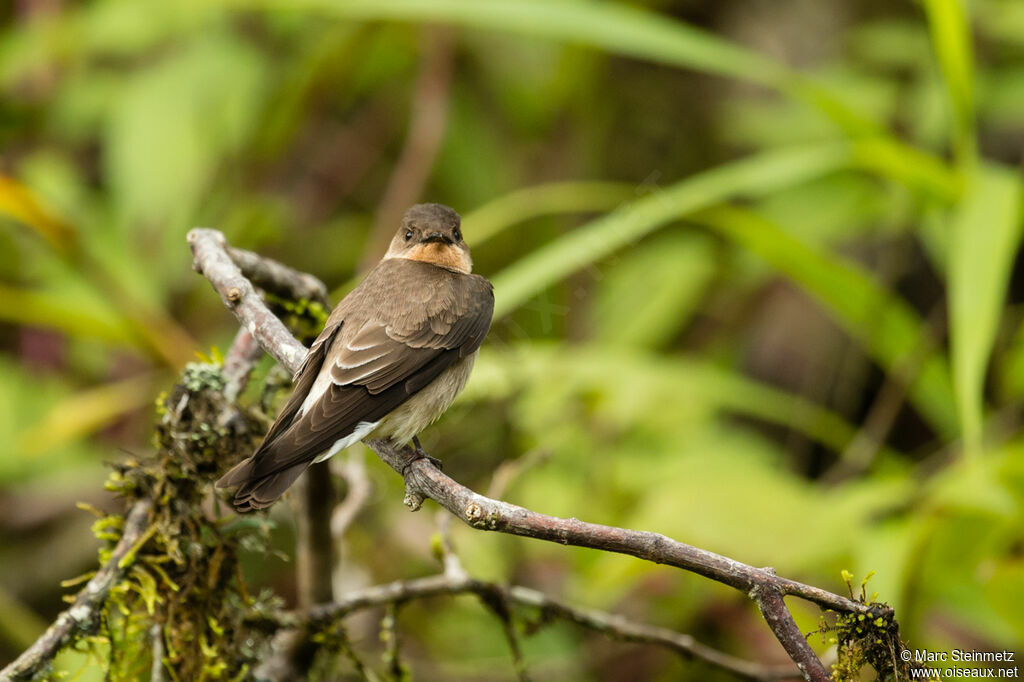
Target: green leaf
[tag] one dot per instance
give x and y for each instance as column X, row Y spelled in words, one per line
column 79, row 415
column 25, row 398
column 613, row 27
column 628, row 311
column 884, row 324
column 951, row 37
column 754, row 176
column 176, row 120
column 19, row 203
column 728, row 466
column 659, row 389
column 610, row 26
column 985, row 235
column 1004, row 591
column 75, row 316
column 524, row 204
column 975, row 486
column 908, row 166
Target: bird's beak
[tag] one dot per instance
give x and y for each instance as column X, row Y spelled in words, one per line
column 438, row 237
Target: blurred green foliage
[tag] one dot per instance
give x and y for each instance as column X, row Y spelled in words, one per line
column 756, row 268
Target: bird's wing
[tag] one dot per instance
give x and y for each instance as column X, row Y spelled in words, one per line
column 304, row 378
column 403, row 326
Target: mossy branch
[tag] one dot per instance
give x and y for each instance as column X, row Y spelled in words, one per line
column 85, row 614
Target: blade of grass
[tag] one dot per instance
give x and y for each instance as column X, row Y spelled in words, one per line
column 494, row 217
column 83, row 413
column 886, row 326
column 151, row 324
column 951, row 38
column 137, row 325
column 516, row 207
column 19, row 203
column 986, row 233
column 754, row 176
column 42, row 309
column 927, row 175
column 614, row 27
column 688, row 378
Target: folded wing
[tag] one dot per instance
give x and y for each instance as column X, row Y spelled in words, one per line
column 398, row 331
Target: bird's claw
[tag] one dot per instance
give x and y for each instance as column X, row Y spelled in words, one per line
column 433, row 460
column 420, row 454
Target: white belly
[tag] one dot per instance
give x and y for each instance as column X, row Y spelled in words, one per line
column 409, row 418
column 423, row 409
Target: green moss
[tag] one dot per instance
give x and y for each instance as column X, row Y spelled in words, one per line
column 183, row 582
column 304, row 318
column 865, row 641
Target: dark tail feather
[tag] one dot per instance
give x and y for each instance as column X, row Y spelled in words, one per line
column 259, row 493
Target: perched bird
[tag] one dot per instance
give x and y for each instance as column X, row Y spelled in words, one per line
column 390, row 360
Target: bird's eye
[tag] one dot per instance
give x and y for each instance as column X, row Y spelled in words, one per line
column 408, row 235
column 457, row 234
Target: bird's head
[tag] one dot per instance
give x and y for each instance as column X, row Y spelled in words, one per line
column 432, row 233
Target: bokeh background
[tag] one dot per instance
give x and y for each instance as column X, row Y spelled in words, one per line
column 757, row 274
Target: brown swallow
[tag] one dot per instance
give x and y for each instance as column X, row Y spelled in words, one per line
column 391, row 359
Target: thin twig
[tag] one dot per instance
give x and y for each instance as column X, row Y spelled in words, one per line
column 238, row 364
column 278, row 278
column 314, row 562
column 85, row 614
column 392, row 646
column 428, row 118
column 353, row 469
column 157, row 672
column 209, row 249
column 611, row 625
column 497, row 602
column 885, row 408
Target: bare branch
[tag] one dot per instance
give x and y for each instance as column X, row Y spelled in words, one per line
column 484, row 513
column 85, row 614
column 233, row 273
column 315, row 499
column 238, row 364
column 157, row 672
column 209, row 250
column 611, row 625
column 780, row 620
column 353, row 469
column 278, row 278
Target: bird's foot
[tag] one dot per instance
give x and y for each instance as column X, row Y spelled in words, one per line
column 413, row 496
column 422, row 454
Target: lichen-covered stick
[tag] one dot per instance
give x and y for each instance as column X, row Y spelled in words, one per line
column 84, row 615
